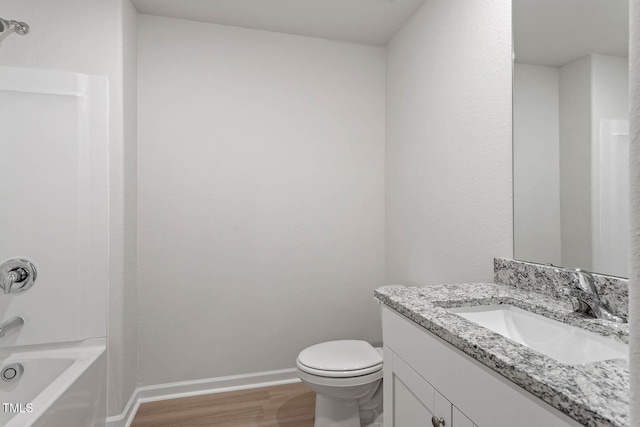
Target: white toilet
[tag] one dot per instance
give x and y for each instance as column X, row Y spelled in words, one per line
column 347, row 377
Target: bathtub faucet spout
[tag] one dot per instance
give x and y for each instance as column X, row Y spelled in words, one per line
column 10, row 325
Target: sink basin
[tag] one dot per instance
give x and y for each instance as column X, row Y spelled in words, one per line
column 565, row 343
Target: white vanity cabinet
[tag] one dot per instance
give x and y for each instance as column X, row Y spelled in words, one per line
column 425, row 377
column 414, row 402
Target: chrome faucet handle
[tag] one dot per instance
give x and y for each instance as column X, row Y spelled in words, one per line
column 581, row 280
column 586, row 282
column 17, row 275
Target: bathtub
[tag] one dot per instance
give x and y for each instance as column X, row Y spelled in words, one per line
column 63, row 385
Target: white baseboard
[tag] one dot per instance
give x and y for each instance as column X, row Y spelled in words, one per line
column 199, row 387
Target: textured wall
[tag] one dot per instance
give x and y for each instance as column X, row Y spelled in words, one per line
column 634, row 259
column 261, row 197
column 448, row 157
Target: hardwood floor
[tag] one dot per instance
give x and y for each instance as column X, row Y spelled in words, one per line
column 290, row 405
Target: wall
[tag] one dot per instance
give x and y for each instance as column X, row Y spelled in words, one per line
column 261, row 197
column 448, row 156
column 634, row 258
column 575, row 163
column 536, row 180
column 85, row 36
column 123, row 335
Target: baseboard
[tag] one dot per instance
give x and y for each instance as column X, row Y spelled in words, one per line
column 126, row 418
column 158, row 392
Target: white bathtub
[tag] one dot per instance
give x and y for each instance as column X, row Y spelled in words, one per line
column 63, row 385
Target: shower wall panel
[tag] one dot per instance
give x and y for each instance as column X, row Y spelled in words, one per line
column 54, row 193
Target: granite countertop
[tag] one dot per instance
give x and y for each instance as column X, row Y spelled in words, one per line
column 595, row 394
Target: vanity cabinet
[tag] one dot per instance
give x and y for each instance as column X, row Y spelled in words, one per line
column 414, row 402
column 425, row 377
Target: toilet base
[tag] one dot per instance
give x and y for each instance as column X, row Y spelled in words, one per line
column 343, row 413
column 336, row 412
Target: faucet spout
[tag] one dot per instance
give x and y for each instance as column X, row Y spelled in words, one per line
column 10, row 325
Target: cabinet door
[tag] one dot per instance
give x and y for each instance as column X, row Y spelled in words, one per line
column 409, row 410
column 442, row 410
column 412, row 397
column 460, row 419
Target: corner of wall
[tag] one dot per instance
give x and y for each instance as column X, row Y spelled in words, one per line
column 634, row 259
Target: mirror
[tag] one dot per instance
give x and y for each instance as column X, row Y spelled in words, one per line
column 570, row 148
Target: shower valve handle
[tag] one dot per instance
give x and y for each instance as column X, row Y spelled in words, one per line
column 17, row 275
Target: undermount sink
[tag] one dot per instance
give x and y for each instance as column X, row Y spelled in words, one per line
column 565, row 343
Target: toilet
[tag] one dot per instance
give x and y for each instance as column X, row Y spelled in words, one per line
column 347, row 378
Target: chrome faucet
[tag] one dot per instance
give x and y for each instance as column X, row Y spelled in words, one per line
column 10, row 325
column 585, row 299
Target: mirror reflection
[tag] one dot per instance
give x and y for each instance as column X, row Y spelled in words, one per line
column 570, row 117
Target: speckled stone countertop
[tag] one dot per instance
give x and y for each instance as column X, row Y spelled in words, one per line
column 594, row 394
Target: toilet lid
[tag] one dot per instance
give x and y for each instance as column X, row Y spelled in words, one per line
column 344, row 358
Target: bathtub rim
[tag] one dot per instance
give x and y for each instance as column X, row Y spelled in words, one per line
column 84, row 353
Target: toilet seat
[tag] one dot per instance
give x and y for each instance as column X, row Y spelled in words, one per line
column 339, row 382
column 339, row 374
column 340, row 359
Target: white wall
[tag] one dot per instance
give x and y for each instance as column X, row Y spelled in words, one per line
column 85, row 36
column 634, row 258
column 123, row 335
column 575, row 163
column 448, row 156
column 261, row 197
column 536, row 169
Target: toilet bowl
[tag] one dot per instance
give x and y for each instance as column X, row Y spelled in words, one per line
column 347, row 378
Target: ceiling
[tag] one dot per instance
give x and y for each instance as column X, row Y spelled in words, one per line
column 556, row 32
column 361, row 21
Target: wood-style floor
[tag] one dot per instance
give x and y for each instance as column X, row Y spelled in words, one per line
column 290, row 405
